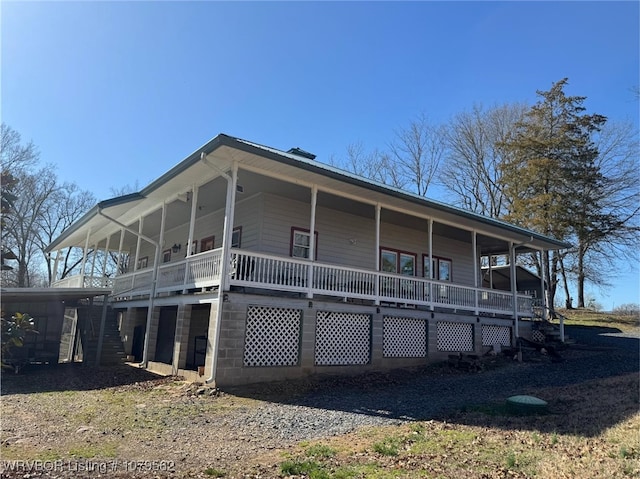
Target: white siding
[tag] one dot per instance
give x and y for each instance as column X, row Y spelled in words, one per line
column 343, row 238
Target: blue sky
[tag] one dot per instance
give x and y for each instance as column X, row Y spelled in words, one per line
column 118, row 92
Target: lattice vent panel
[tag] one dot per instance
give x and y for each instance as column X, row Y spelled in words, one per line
column 492, row 334
column 342, row 339
column 272, row 336
column 404, row 337
column 455, row 336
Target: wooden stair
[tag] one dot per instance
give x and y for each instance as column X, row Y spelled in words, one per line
column 112, row 352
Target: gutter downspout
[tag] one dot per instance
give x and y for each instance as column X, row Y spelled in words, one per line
column 312, row 241
column 226, row 253
column 154, row 280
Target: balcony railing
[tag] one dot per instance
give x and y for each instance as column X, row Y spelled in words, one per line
column 271, row 272
column 81, row 281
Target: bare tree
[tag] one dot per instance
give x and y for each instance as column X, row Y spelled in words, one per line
column 374, row 165
column 39, row 209
column 613, row 230
column 21, row 233
column 415, row 154
column 471, row 171
column 15, row 156
column 126, row 189
column 66, row 205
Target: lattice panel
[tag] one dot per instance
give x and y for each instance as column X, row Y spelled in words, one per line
column 492, row 334
column 404, row 337
column 342, row 339
column 538, row 336
column 272, row 336
column 455, row 336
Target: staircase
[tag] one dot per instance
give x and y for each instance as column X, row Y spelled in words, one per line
column 547, row 332
column 89, row 325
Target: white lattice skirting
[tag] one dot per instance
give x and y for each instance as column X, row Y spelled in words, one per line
column 342, row 339
column 404, row 337
column 456, row 337
column 492, row 334
column 272, row 336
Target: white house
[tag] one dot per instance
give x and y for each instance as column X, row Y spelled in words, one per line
column 249, row 263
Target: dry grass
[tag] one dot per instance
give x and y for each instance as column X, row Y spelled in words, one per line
column 489, row 443
column 587, row 317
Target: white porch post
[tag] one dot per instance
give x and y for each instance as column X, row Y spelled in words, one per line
column 192, row 219
column 84, row 258
column 104, row 262
column 377, row 253
column 229, row 214
column 490, row 271
column 54, row 273
column 312, row 240
column 474, row 247
column 543, row 296
column 135, row 263
column 119, row 258
column 431, row 272
column 514, row 287
column 163, row 217
column 93, row 260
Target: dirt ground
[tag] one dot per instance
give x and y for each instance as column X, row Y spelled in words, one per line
column 70, row 421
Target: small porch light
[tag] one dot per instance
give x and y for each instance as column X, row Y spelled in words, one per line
column 176, row 247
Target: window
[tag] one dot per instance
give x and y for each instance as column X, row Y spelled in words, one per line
column 442, row 268
column 397, row 262
column 389, row 261
column 301, row 243
column 407, row 264
column 207, row 243
column 236, row 236
column 166, row 256
column 142, row 262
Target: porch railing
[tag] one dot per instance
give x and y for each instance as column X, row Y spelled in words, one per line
column 81, row 281
column 265, row 271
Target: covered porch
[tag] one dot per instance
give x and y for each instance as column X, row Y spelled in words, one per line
column 181, row 235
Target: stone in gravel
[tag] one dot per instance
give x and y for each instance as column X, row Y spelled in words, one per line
column 82, row 429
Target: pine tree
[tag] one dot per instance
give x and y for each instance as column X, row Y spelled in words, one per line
column 550, row 172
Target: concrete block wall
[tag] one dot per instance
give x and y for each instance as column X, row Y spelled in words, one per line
column 181, row 343
column 230, row 366
column 230, row 343
column 153, row 333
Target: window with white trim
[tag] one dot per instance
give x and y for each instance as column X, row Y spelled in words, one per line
column 442, row 268
column 301, row 243
column 392, row 261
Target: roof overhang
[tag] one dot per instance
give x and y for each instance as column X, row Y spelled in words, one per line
column 224, row 149
column 13, row 295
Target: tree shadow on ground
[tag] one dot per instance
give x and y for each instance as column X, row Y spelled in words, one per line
column 38, row 378
column 586, row 409
column 593, row 388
